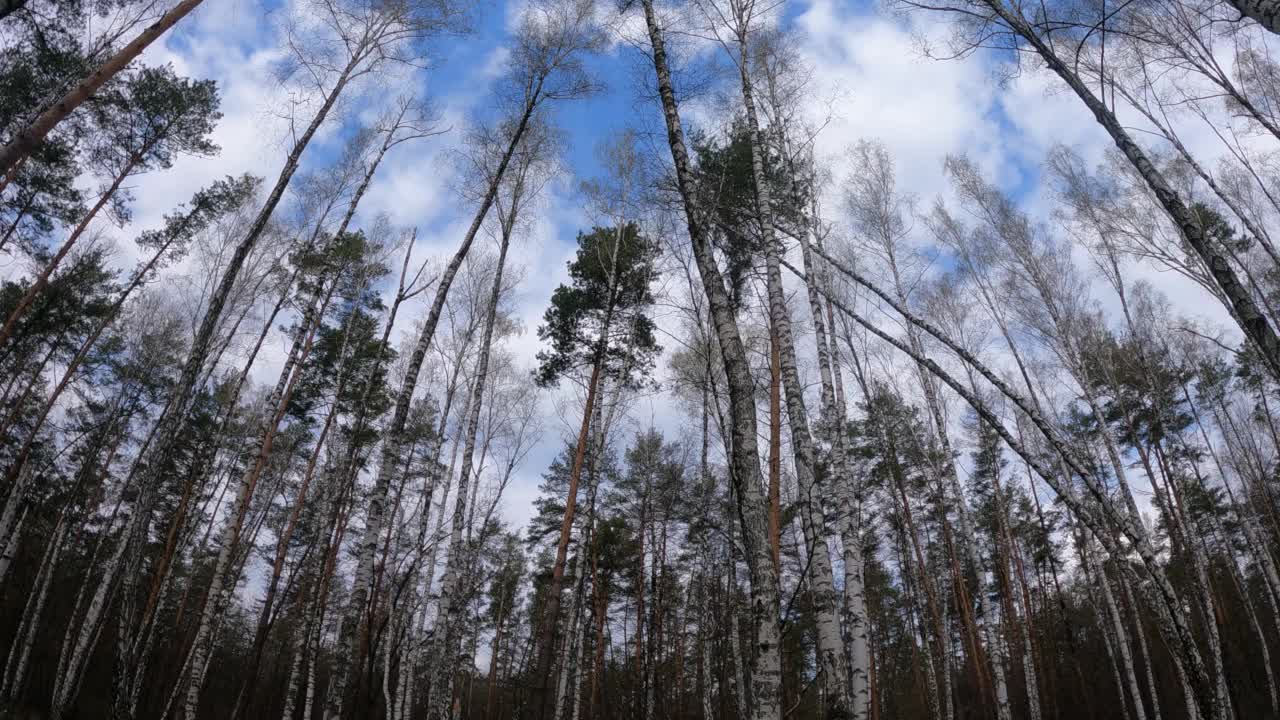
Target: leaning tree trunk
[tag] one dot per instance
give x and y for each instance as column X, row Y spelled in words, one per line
column 259, row 639
column 551, row 613
column 1251, row 320
column 362, row 583
column 766, row 675
column 68, row 372
column 821, row 587
column 174, row 416
column 29, row 138
column 565, row 686
column 454, row 600
column 277, row 404
column 833, row 429
column 12, row 522
column 42, row 280
column 20, row 648
column 1164, row 599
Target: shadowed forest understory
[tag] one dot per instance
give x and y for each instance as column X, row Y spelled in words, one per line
column 721, row 423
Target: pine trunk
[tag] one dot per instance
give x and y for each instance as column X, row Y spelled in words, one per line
column 29, row 138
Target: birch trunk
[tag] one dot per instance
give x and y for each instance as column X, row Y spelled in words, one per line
column 20, row 648
column 286, row 534
column 298, row 652
column 833, row 429
column 569, row 649
column 362, row 584
column 42, row 280
column 1009, row 563
column 13, row 522
column 546, row 640
column 220, row 584
column 1164, row 598
column 766, row 675
column 71, row 666
column 1254, row 324
column 1145, row 652
column 821, row 587
column 451, row 597
column 704, row 646
column 737, row 674
column 1121, row 636
column 174, row 416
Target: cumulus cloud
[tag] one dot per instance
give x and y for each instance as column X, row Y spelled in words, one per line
column 869, row 80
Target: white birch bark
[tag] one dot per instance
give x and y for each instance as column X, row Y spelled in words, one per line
column 20, row 649
column 704, row 648
column 821, row 587
column 220, row 584
column 1163, row 598
column 1031, row 678
column 297, row 656
column 766, row 671
column 75, row 652
column 353, row 618
column 847, row 491
column 12, row 523
column 175, row 413
column 568, row 649
column 452, row 599
column 737, row 669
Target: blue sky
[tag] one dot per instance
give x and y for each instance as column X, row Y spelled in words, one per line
column 869, row 80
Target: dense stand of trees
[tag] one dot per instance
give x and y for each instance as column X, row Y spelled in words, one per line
column 949, row 459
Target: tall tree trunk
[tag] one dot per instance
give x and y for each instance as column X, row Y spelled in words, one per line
column 453, row 599
column 1119, row 633
column 821, row 586
column 1164, row 599
column 738, row 676
column 766, row 675
column 566, row 688
column 362, row 583
column 1009, row 565
column 220, row 584
column 260, row 633
column 704, row 645
column 775, row 452
column 41, row 281
column 491, row 694
column 12, row 521
column 1251, row 320
column 20, row 648
column 175, row 413
column 832, row 429
column 550, row 619
column 29, row 138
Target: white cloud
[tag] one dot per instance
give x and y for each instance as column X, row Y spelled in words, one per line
column 868, row 75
